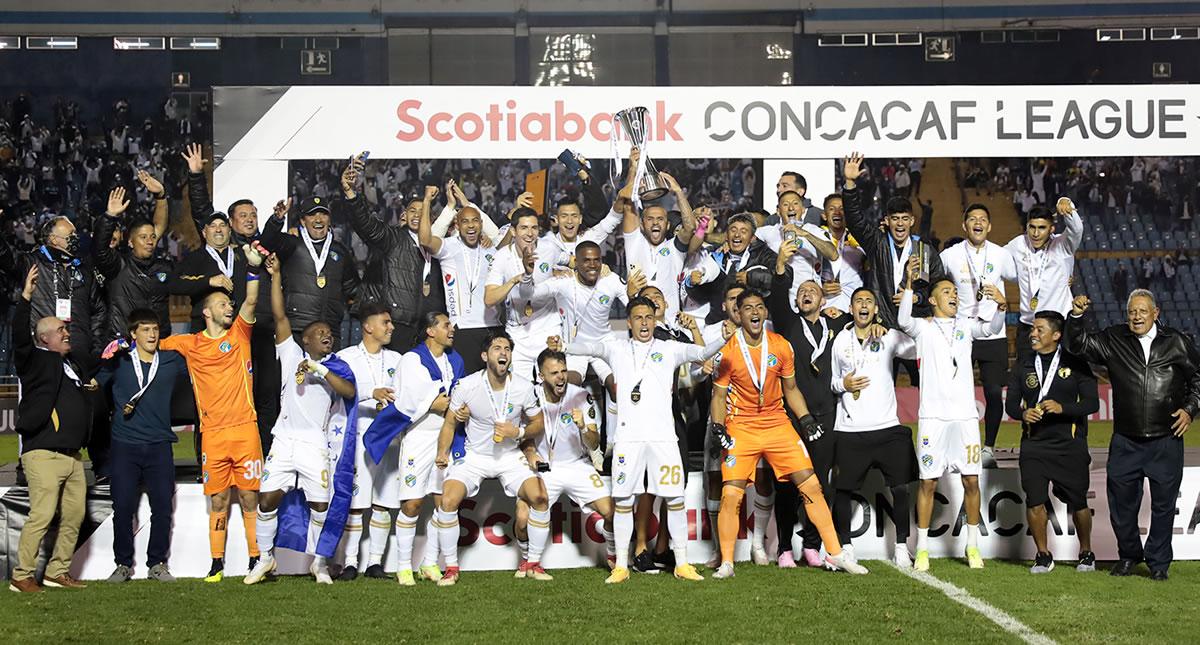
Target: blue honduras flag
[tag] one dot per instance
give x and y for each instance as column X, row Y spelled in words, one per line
column 413, row 400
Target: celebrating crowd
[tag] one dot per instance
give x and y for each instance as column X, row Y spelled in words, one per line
column 488, row 352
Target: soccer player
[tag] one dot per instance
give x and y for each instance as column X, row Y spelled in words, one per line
column 749, row 421
column 840, row 277
column 948, row 429
column 1044, row 261
column 500, row 411
column 376, row 485
column 648, row 249
column 972, row 264
column 813, row 246
column 712, row 457
column 1052, row 395
column 218, row 361
column 868, row 432
column 528, row 322
column 300, row 450
column 646, row 445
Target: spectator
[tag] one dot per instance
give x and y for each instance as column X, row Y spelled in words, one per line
column 1168, row 271
column 1147, row 272
column 1120, row 283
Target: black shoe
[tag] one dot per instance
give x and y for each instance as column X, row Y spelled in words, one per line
column 644, row 563
column 1159, row 574
column 1043, row 563
column 348, row 574
column 1087, row 562
column 665, row 561
column 253, row 563
column 1123, row 568
column 217, row 571
column 376, row 571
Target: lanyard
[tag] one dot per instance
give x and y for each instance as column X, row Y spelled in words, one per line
column 949, row 342
column 759, row 378
column 554, row 422
column 472, row 272
column 501, row 410
column 818, row 348
column 318, row 259
column 143, row 382
column 898, row 264
column 977, row 272
column 1045, row 379
column 571, row 326
column 636, row 393
column 224, row 266
column 1043, row 257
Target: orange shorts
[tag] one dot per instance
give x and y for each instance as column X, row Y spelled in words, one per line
column 231, row 458
column 778, row 444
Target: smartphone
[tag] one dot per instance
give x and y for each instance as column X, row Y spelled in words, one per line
column 366, row 154
column 568, row 159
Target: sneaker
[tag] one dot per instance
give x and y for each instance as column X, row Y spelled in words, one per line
column 687, row 572
column 216, row 572
column 28, row 585
column 725, row 571
column 265, row 567
column 121, row 574
column 812, row 557
column 618, row 575
column 644, row 563
column 974, row 559
column 522, row 569
column 431, row 572
column 758, row 555
column 989, row 457
column 449, row 578
column 665, row 561
column 348, row 573
column 922, row 561
column 65, row 581
column 902, row 559
column 1043, row 563
column 321, row 573
column 405, row 578
column 786, row 560
column 535, row 572
column 161, row 573
column 1087, row 562
column 843, row 562
column 376, row 571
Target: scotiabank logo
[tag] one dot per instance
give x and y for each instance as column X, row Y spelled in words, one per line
column 511, row 123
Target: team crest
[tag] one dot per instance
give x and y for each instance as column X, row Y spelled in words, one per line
column 927, row 460
column 988, row 268
column 924, row 441
column 959, row 335
column 510, row 408
column 621, row 478
column 249, row 367
column 411, row 462
column 1064, row 372
column 488, row 257
column 591, row 413
column 334, row 255
column 1031, row 380
column 265, row 475
column 657, row 357
column 391, row 371
column 772, row 360
column 225, row 347
column 544, row 267
column 206, row 477
column 730, row 461
column 664, row 251
column 621, row 460
column 566, row 417
column 162, row 277
column 410, row 480
column 875, row 346
column 604, row 300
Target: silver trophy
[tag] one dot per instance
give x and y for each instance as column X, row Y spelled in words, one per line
column 633, row 124
column 923, row 260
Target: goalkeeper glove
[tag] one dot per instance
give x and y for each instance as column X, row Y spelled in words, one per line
column 811, row 428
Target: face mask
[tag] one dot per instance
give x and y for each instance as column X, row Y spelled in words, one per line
column 73, row 243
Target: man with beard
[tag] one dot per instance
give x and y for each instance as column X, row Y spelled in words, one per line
column 813, row 245
column 744, row 260
column 138, row 278
column 712, row 456
column 648, row 249
column 1044, row 261
column 243, row 215
column 791, row 181
column 841, row 277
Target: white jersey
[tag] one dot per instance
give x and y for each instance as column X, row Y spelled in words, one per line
column 305, row 407
column 524, row 318
column 583, row 310
column 564, row 251
column 645, row 372
column 944, row 360
column 846, row 271
column 371, row 371
column 464, row 271
column 562, row 441
column 971, row 268
column 806, row 263
column 515, row 403
column 1046, row 274
column 421, row 390
column 662, row 265
column 875, row 407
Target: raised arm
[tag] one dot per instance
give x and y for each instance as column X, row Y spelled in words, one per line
column 22, row 330
column 701, row 353
column 1073, row 225
column 156, row 190
column 108, row 259
column 425, row 235
column 197, row 182
column 283, row 327
column 254, row 260
column 354, row 207
column 273, row 237
column 861, row 227
column 1081, row 341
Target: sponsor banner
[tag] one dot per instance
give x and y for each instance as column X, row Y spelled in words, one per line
column 486, row 521
column 908, row 402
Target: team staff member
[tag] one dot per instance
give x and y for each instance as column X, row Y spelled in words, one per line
column 1155, row 375
column 1052, row 394
column 138, row 278
column 53, row 420
column 139, row 383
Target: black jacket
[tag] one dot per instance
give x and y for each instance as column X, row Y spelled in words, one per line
column 305, row 301
column 814, row 384
column 760, row 272
column 395, row 264
column 1144, row 396
column 196, row 269
column 131, row 283
column 877, row 268
column 55, row 412
column 1073, row 387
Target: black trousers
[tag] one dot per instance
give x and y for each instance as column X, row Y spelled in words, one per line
column 1130, row 461
column 910, row 366
column 787, row 498
column 135, row 465
column 1024, row 351
column 469, row 344
column 267, row 375
column 992, row 357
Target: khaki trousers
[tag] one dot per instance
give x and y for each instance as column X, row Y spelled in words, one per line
column 56, row 486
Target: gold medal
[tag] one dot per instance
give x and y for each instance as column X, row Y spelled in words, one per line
column 300, row 377
column 320, row 282
column 856, row 394
column 380, row 406
column 425, row 289
column 760, row 398
column 128, row 409
column 1033, row 303
column 635, row 394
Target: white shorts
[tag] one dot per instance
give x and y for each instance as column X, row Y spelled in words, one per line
column 525, row 353
column 376, row 483
column 511, row 469
column 418, row 474
column 645, row 467
column 948, row 446
column 291, row 461
column 578, row 480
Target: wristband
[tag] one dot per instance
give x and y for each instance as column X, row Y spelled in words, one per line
column 157, row 196
column 252, row 270
column 252, row 277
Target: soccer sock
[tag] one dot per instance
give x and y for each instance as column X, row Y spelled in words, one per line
column 523, row 548
column 539, row 533
column 432, row 547
column 447, row 532
column 610, row 545
column 922, row 539
column 266, row 524
column 249, row 521
column 218, row 523
column 817, row 512
column 352, row 536
column 972, row 535
column 713, row 508
column 406, row 534
column 677, row 525
column 900, row 513
column 377, row 535
column 623, row 530
column 762, row 514
column 316, row 522
column 728, row 522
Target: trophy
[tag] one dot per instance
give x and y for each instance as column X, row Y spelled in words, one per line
column 922, row 259
column 633, row 123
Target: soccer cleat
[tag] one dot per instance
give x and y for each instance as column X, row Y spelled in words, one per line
column 843, row 562
column 665, row 561
column 989, row 457
column 522, row 569
column 758, row 555
column 375, row 571
column 121, row 574
column 161, row 573
column 535, row 572
column 216, row 572
column 253, row 562
column 1087, row 562
column 1043, row 563
column 922, row 561
column 786, row 560
column 974, row 559
column 265, row 567
column 901, row 558
column 320, row 573
column 687, row 572
column 848, row 551
column 644, row 563
column 724, row 571
column 450, row 578
column 348, row 573
column 405, row 578
column 618, row 575
column 431, row 572
column 812, row 557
